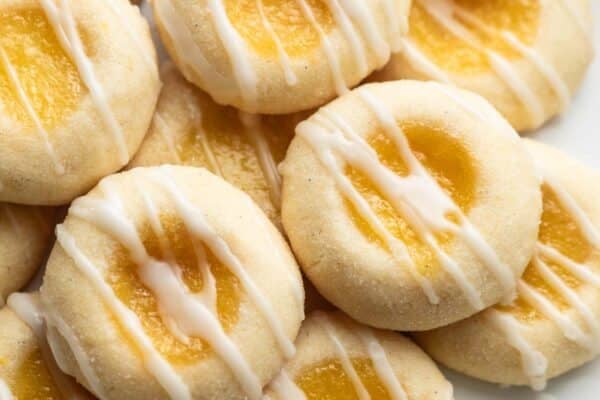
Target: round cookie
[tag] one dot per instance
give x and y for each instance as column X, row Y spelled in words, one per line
column 277, row 57
column 25, row 237
column 196, row 292
column 554, row 324
column 78, row 86
column 338, row 359
column 190, row 129
column 527, row 57
column 27, row 368
column 416, row 198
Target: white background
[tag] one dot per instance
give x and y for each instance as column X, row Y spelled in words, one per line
column 578, row 133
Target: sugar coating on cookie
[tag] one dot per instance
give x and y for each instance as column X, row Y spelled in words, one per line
column 78, row 85
column 338, row 358
column 25, row 238
column 189, row 128
column 527, row 57
column 28, row 369
column 553, row 325
column 197, row 293
column 417, row 198
column 276, row 57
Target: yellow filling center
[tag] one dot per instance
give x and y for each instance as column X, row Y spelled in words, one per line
column 221, row 144
column 446, row 159
column 286, row 18
column 452, row 53
column 32, row 380
column 560, row 231
column 329, row 381
column 129, row 289
column 45, row 75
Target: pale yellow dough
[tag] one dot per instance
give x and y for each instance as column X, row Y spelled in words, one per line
column 318, row 369
column 277, row 57
column 527, row 57
column 480, row 348
column 25, row 238
column 74, row 106
column 189, row 128
column 115, row 351
column 474, row 155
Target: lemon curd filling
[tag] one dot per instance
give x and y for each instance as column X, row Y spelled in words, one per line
column 519, row 17
column 329, row 381
column 124, row 280
column 560, row 231
column 45, row 74
column 295, row 32
column 222, row 145
column 32, row 380
column 444, row 157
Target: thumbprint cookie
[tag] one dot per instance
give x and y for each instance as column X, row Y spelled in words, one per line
column 25, row 238
column 280, row 56
column 189, row 128
column 28, row 370
column 176, row 285
column 554, row 324
column 338, row 359
column 417, row 198
column 527, row 57
column 78, row 86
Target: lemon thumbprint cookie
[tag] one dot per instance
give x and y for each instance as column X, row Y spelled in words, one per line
column 25, row 238
column 276, row 57
column 78, row 85
column 554, row 324
column 176, row 285
column 28, row 371
column 418, row 199
column 338, row 359
column 189, row 128
column 527, row 57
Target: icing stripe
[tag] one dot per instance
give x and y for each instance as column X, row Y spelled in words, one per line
column 160, row 368
column 569, row 6
column 398, row 25
column 5, row 393
column 41, row 131
column 64, row 25
column 534, row 363
column 237, row 52
column 420, row 62
column 383, row 368
column 344, row 357
column 581, row 271
column 330, row 52
column 30, row 310
column 290, row 76
column 268, row 165
column 161, row 127
column 285, row 388
column 202, row 138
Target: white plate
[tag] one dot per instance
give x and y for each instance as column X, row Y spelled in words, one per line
column 577, row 133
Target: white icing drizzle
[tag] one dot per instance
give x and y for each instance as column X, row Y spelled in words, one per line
column 569, row 5
column 202, row 138
column 398, row 25
column 290, row 76
column 178, row 307
column 285, row 388
column 382, row 364
column 43, row 134
column 237, row 51
column 420, row 62
column 162, row 128
column 6, row 394
column 587, row 338
column 534, row 363
column 417, row 197
column 63, row 22
column 160, row 368
column 268, row 165
column 344, row 357
column 29, row 309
